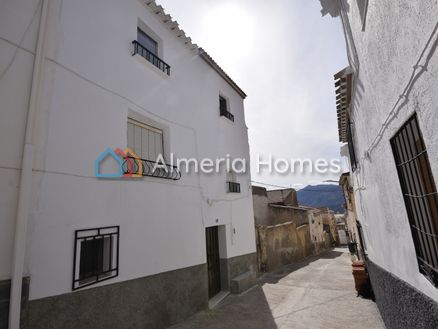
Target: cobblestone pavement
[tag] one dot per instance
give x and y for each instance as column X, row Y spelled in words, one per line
column 315, row 293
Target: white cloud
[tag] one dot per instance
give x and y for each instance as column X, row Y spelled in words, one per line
column 283, row 54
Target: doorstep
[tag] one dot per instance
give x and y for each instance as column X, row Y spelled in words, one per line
column 213, row 302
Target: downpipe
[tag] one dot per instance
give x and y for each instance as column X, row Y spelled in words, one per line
column 26, row 175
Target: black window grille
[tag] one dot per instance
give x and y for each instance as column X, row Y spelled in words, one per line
column 147, row 48
column 96, row 256
column 420, row 195
column 353, row 160
column 233, row 187
column 223, row 109
column 223, row 104
column 150, row 168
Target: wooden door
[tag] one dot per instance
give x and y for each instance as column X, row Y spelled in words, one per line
column 213, row 265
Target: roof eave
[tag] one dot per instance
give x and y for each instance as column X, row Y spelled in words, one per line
column 211, row 62
column 167, row 20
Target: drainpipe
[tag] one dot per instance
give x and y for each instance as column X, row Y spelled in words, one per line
column 25, row 188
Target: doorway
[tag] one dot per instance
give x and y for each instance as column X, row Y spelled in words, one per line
column 213, row 262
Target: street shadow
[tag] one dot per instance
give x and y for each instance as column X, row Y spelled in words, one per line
column 248, row 310
column 251, row 309
column 275, row 276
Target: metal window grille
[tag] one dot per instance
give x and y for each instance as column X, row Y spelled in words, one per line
column 223, row 109
column 353, row 160
column 96, row 256
column 420, row 195
column 233, row 187
column 150, row 57
column 150, row 168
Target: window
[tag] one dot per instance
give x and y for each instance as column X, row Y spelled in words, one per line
column 146, row 141
column 420, row 195
column 232, row 185
column 96, row 256
column 147, row 42
column 147, row 48
column 223, row 109
column 223, row 104
column 353, row 161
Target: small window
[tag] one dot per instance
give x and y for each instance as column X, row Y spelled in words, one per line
column 223, row 109
column 146, row 141
column 232, row 185
column 147, row 47
column 420, row 195
column 96, row 256
column 223, row 104
column 147, row 42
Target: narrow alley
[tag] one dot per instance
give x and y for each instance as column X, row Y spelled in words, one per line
column 315, row 293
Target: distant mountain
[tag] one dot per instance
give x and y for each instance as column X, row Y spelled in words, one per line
column 329, row 196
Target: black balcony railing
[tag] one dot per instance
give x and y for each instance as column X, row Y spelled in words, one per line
column 150, row 168
column 228, row 115
column 150, row 57
column 233, row 187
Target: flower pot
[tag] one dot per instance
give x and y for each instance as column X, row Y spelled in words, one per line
column 360, row 276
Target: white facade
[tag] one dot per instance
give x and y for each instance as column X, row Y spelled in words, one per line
column 91, row 85
column 392, row 51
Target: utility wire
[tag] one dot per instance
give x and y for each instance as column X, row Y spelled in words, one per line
column 20, row 43
column 402, row 100
column 303, row 189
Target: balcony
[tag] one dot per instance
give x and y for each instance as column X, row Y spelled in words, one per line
column 131, row 166
column 150, row 57
column 228, row 115
column 233, row 187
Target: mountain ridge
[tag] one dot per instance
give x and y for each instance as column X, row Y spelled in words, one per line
column 323, row 195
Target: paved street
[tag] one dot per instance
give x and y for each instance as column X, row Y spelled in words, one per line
column 316, row 293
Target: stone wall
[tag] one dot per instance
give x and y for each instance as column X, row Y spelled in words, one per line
column 400, row 304
column 235, row 266
column 156, row 301
column 282, row 244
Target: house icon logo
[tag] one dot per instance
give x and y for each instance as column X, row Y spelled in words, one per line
column 124, row 164
column 104, row 156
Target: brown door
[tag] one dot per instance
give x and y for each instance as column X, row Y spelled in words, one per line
column 213, row 266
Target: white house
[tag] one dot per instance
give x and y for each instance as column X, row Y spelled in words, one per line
column 387, row 113
column 79, row 78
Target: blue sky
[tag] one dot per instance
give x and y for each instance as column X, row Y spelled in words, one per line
column 283, row 54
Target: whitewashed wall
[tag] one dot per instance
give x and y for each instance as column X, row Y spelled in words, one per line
column 394, row 37
column 91, row 82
